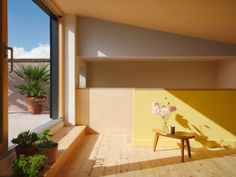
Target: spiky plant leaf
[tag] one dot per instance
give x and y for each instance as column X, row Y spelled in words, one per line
column 35, row 80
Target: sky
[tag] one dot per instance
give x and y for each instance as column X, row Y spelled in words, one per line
column 28, row 30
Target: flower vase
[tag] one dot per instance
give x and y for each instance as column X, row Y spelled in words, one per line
column 165, row 125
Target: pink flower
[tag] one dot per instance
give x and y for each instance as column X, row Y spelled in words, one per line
column 162, row 110
column 155, row 107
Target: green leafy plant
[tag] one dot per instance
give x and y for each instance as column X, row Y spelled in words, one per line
column 44, row 140
column 25, row 139
column 35, row 80
column 31, row 166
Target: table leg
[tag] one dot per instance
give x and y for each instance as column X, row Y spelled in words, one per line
column 182, row 150
column 155, row 141
column 188, row 148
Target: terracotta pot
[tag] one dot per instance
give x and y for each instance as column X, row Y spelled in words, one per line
column 35, row 105
column 50, row 153
column 26, row 151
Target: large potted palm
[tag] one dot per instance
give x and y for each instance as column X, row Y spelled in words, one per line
column 34, row 84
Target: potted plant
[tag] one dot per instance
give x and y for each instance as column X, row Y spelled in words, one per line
column 46, row 146
column 35, row 80
column 25, row 142
column 31, row 166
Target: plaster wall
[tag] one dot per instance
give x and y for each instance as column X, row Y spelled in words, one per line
column 152, row 74
column 107, row 110
column 226, row 74
column 105, row 38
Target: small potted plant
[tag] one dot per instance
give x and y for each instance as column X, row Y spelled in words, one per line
column 30, row 166
column 25, row 142
column 35, row 80
column 46, row 146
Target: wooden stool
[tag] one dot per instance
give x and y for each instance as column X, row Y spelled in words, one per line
column 183, row 136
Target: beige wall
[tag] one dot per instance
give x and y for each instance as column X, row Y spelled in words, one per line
column 152, row 74
column 97, row 36
column 109, row 108
column 105, row 110
column 226, row 75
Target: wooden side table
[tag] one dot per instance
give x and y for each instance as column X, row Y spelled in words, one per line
column 183, row 136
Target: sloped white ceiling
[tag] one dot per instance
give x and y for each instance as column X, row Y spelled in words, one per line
column 207, row 19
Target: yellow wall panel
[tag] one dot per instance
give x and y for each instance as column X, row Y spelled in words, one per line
column 210, row 114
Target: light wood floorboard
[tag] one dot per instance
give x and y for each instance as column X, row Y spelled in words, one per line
column 112, row 155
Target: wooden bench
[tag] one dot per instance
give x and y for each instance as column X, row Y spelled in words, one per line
column 183, row 136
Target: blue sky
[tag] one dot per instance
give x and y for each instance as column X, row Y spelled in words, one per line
column 28, row 25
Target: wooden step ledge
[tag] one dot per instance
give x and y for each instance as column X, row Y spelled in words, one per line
column 7, row 157
column 68, row 138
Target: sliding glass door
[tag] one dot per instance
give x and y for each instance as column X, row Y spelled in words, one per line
column 4, row 60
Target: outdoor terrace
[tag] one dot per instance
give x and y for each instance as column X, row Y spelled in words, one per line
column 19, row 118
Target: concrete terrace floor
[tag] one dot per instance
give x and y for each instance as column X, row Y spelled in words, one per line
column 21, row 121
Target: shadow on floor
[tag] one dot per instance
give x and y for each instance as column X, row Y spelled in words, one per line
column 87, row 161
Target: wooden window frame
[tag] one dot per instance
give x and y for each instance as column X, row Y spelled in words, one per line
column 3, row 77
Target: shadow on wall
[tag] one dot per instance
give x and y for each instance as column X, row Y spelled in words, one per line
column 199, row 132
column 208, row 113
column 217, row 105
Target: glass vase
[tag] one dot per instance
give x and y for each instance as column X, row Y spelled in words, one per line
column 165, row 125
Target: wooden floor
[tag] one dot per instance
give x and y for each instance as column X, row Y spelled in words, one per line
column 113, row 155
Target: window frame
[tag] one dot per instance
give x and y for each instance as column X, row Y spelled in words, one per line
column 53, row 59
column 3, row 77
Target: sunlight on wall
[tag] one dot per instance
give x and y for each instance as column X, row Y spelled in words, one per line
column 82, row 81
column 101, row 54
column 208, row 113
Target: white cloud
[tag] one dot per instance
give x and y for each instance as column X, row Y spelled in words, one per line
column 42, row 51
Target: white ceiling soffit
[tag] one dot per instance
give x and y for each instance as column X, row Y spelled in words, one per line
column 206, row 19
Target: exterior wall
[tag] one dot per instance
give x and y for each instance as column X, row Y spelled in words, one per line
column 105, row 110
column 104, row 38
column 16, row 102
column 152, row 74
column 226, row 74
